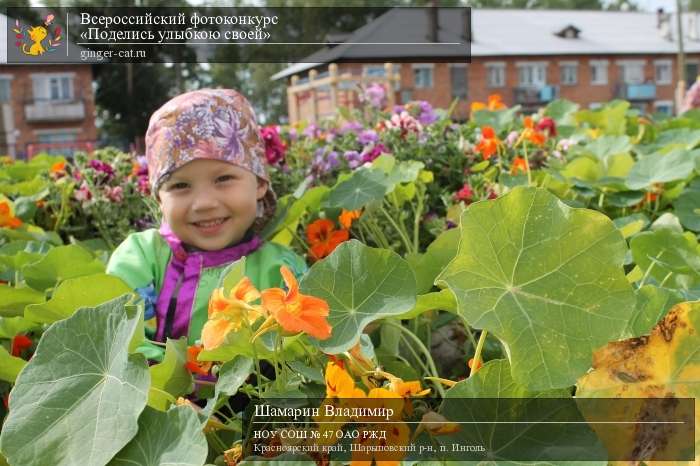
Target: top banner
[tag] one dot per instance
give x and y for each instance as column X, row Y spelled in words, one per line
column 236, row 35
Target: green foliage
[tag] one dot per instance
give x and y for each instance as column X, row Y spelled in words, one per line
column 543, row 278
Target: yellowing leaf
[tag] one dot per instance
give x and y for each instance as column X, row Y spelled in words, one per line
column 665, row 364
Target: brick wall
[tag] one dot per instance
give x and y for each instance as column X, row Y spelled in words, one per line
column 583, row 92
column 21, row 93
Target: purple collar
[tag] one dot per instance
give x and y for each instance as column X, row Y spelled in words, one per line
column 184, row 269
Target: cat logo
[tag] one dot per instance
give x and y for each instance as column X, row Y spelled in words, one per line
column 37, row 38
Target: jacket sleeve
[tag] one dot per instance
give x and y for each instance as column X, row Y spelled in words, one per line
column 134, row 262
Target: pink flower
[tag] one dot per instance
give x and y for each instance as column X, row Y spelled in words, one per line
column 465, row 194
column 376, row 151
column 274, row 147
column 374, row 95
column 115, row 194
column 403, row 121
column 83, row 193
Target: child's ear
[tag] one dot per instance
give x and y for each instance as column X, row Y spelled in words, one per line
column 262, row 188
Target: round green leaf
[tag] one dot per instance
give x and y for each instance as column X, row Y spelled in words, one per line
column 170, row 379
column 687, row 208
column 664, row 251
column 652, row 305
column 427, row 266
column 661, row 168
column 546, row 279
column 60, row 264
column 364, row 186
column 78, row 400
column 232, row 375
column 14, row 300
column 502, row 399
column 361, row 285
column 9, row 365
column 174, row 438
column 75, row 293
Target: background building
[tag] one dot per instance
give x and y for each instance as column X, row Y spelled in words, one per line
column 529, row 57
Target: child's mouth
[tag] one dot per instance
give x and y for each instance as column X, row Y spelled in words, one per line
column 210, row 226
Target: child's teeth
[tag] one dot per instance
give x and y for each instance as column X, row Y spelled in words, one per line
column 211, row 224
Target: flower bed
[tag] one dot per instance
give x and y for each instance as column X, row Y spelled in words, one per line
column 545, row 256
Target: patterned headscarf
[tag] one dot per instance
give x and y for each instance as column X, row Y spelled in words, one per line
column 217, row 124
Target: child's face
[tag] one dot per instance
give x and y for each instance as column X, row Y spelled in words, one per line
column 210, row 204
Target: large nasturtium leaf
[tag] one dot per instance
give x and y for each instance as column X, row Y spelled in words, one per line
column 687, row 208
column 78, row 400
column 13, row 300
column 361, row 285
column 491, row 396
column 60, row 264
column 665, row 364
column 610, row 118
column 661, row 168
column 173, row 438
column 606, row 146
column 11, row 326
column 546, row 279
column 652, row 304
column 364, row 186
column 665, row 251
column 170, row 379
column 75, row 293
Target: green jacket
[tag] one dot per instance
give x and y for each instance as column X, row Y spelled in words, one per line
column 141, row 260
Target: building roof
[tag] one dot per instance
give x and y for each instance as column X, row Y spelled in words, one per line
column 509, row 32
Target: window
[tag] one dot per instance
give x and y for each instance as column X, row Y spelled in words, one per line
column 379, row 71
column 423, row 76
column 4, row 90
column 51, row 137
column 496, row 74
column 632, row 71
column 595, row 105
column 61, row 88
column 532, row 74
column 458, row 80
column 568, row 74
column 662, row 71
column 663, row 106
column 53, row 86
column 599, row 72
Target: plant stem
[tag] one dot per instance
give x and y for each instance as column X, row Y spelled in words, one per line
column 399, row 229
column 477, row 353
column 421, row 346
column 527, row 165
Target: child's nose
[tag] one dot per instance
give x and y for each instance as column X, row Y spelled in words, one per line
column 204, row 201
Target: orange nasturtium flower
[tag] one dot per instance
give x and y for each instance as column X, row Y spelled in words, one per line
column 488, row 145
column 58, row 167
column 519, row 166
column 229, row 314
column 347, row 217
column 339, row 384
column 295, row 312
column 323, row 238
column 531, row 133
column 494, row 103
column 195, row 366
column 7, row 218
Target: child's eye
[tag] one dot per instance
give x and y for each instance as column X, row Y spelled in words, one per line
column 225, row 178
column 178, row 186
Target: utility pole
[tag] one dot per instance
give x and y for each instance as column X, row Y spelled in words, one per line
column 680, row 89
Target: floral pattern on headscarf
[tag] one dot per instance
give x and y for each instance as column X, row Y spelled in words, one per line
column 216, row 124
